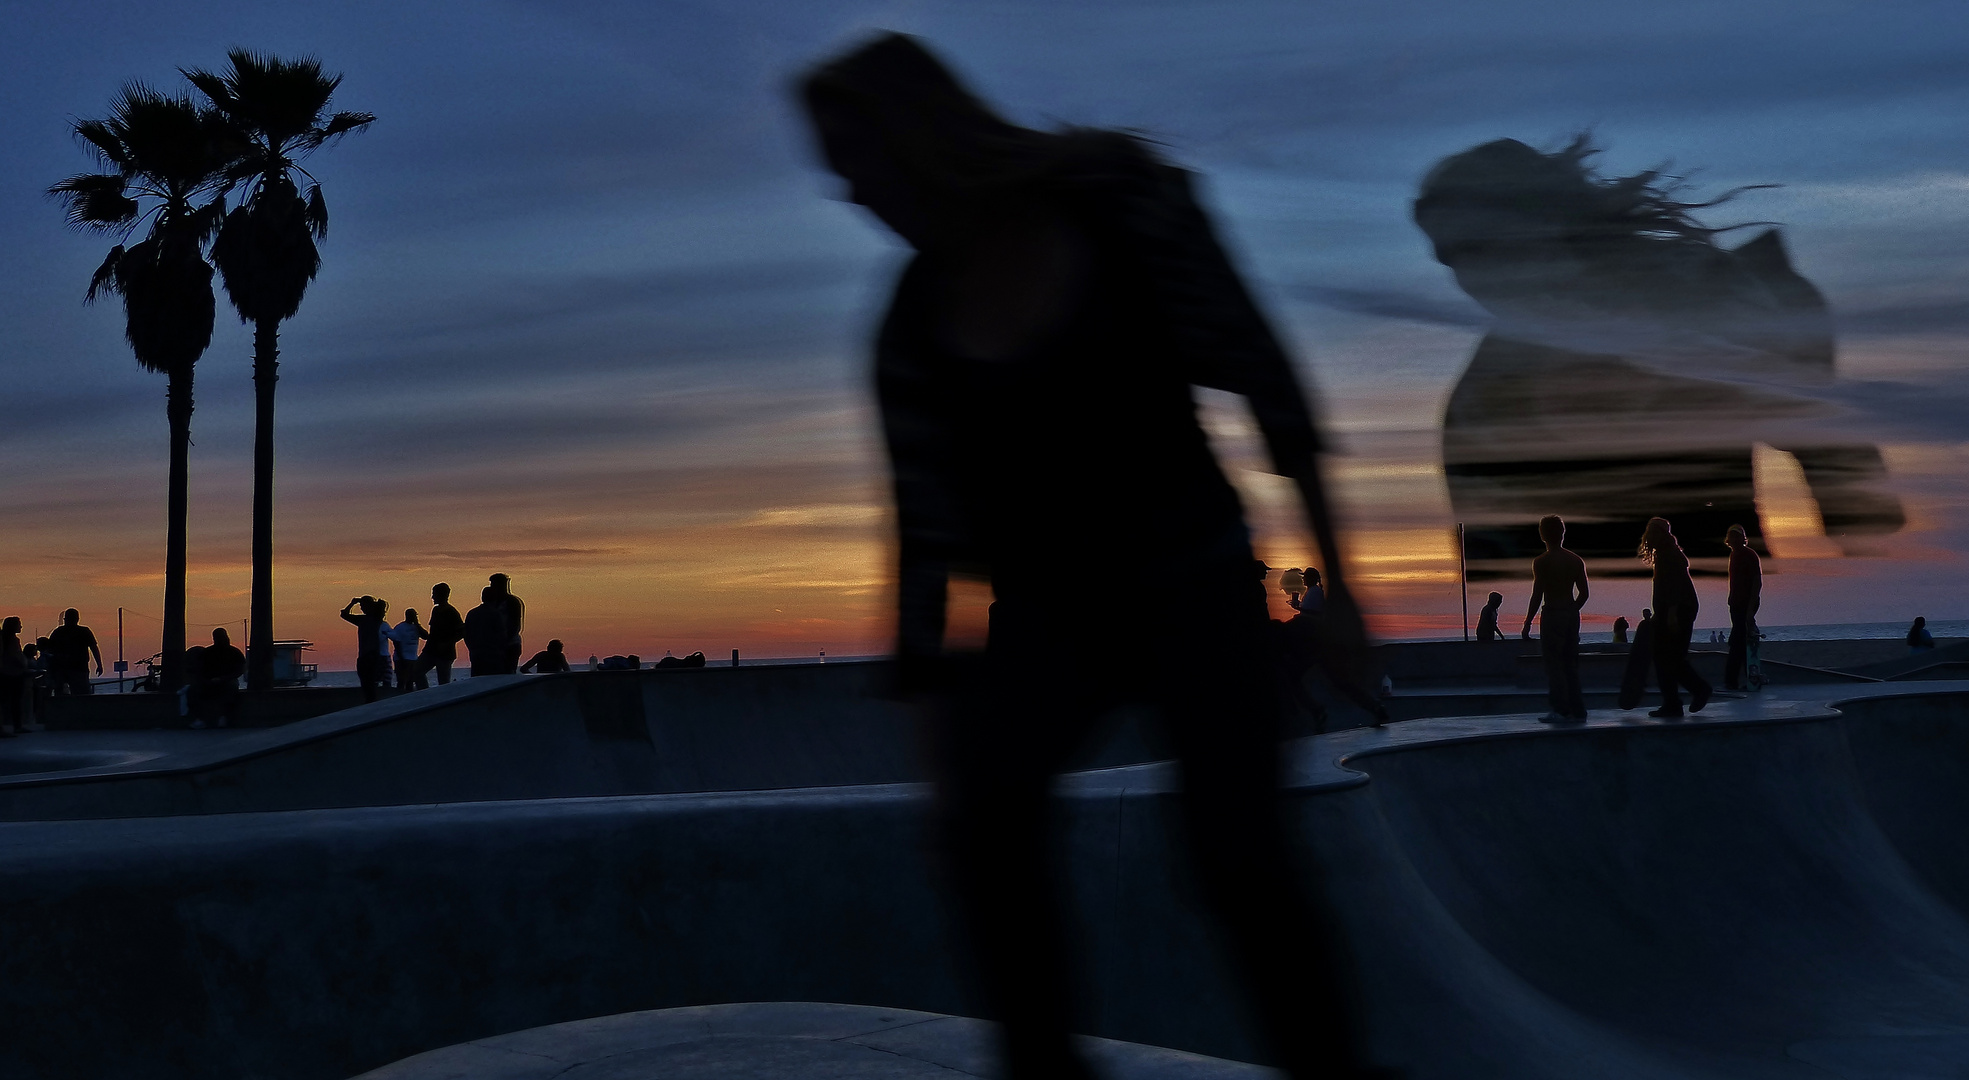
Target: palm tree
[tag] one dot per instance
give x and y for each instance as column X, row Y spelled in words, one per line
column 160, row 156
column 266, row 253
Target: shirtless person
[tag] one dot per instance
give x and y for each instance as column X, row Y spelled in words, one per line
column 1559, row 582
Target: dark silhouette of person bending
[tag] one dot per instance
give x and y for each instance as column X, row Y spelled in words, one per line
column 1675, row 608
column 1487, row 618
column 1035, row 376
column 1746, row 596
column 549, row 660
column 1558, row 582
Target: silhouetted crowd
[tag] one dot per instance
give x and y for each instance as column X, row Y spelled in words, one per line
column 407, row 653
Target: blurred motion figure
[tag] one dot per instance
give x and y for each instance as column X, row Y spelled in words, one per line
column 1034, row 374
column 1595, row 392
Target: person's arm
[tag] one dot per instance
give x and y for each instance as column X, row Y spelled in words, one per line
column 930, row 532
column 1585, row 589
column 1224, row 342
column 1537, row 600
column 527, row 668
column 348, row 618
column 98, row 653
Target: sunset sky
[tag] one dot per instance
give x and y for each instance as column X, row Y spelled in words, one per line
column 590, row 314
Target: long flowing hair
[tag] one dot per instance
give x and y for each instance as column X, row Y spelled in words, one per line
column 1657, row 535
column 1562, row 187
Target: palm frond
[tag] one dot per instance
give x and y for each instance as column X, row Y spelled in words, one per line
column 104, row 141
column 341, row 124
column 96, row 201
column 104, row 279
column 217, row 88
column 317, row 213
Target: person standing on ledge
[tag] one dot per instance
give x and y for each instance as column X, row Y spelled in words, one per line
column 1675, row 607
column 13, row 678
column 1035, row 376
column 447, row 629
column 1746, row 593
column 515, row 612
column 372, row 649
column 70, row 646
column 1487, row 619
column 1558, row 582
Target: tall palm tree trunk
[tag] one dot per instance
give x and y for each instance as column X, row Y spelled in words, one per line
column 266, row 372
column 177, row 408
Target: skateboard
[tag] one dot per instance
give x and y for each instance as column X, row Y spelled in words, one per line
column 1640, row 662
column 1753, row 663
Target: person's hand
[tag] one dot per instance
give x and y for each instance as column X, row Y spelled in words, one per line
column 99, row 669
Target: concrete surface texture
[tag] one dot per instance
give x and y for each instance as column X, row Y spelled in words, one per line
column 777, row 1041
column 1776, row 888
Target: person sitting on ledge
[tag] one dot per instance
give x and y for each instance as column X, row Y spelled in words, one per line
column 1620, row 630
column 217, row 688
column 548, row 661
column 631, row 662
column 1918, row 637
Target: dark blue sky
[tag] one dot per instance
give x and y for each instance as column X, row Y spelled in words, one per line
column 584, row 292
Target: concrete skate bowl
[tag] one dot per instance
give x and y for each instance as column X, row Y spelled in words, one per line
column 506, row 737
column 1737, row 899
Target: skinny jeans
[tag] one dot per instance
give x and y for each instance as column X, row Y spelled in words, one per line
column 1673, row 671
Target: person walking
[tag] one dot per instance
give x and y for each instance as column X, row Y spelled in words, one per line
column 485, row 634
column 404, row 637
column 1035, row 377
column 514, row 610
column 13, row 678
column 1558, row 583
column 1487, row 619
column 70, row 646
column 1675, row 608
column 447, row 630
column 372, row 654
column 1746, row 595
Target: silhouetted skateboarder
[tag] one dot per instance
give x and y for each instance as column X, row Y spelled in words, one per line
column 1675, row 609
column 1035, row 373
column 1558, row 582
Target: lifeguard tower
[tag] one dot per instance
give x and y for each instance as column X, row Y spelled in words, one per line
column 288, row 670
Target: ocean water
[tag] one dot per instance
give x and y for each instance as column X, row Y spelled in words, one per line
column 326, row 677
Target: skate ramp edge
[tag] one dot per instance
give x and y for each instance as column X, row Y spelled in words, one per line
column 1774, row 892
column 513, row 737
